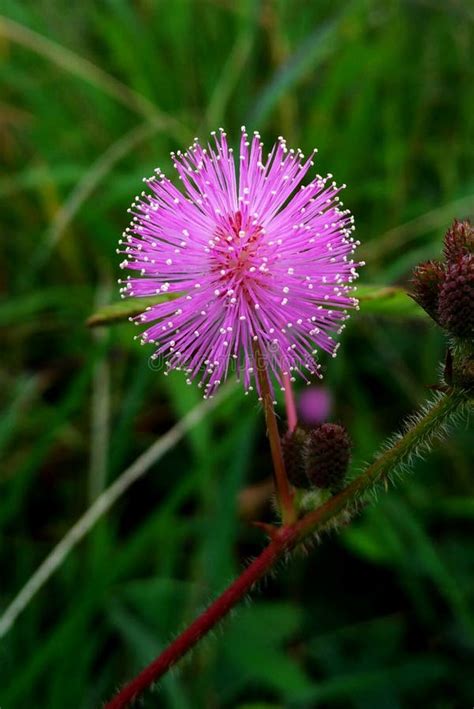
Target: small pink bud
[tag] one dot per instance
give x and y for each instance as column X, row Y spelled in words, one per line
column 314, row 405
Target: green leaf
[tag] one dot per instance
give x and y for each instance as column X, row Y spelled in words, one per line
column 255, row 648
column 383, row 300
column 144, row 645
column 403, row 676
column 311, row 53
column 127, row 308
column 29, row 307
column 388, row 300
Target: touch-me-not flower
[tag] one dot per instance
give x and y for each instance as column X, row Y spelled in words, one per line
column 261, row 263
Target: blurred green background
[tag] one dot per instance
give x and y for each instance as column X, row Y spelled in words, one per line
column 94, row 95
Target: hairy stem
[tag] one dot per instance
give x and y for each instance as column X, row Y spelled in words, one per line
column 205, row 622
column 418, row 436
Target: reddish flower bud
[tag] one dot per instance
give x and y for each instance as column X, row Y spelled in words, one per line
column 456, row 299
column 427, row 280
column 327, row 454
column 292, row 445
column 459, row 240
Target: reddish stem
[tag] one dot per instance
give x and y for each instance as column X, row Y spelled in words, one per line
column 283, row 489
column 283, row 540
column 291, row 415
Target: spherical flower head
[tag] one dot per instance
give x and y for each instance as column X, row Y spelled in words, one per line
column 260, row 264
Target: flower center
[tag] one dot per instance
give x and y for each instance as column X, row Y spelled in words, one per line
column 235, row 251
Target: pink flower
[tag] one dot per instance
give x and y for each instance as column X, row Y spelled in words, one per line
column 256, row 259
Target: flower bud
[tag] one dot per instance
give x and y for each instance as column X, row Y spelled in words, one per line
column 292, row 445
column 459, row 240
column 327, row 455
column 427, row 280
column 456, row 299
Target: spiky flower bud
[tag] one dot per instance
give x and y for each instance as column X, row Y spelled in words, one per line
column 459, row 240
column 427, row 280
column 456, row 299
column 292, row 445
column 327, row 454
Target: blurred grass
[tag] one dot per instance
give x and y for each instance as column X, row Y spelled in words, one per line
column 94, row 96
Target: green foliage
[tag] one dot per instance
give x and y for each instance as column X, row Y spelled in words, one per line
column 124, row 309
column 253, row 651
column 94, row 96
column 388, row 301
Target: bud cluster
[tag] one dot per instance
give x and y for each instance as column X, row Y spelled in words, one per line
column 317, row 457
column 445, row 289
column 456, row 298
column 293, row 443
